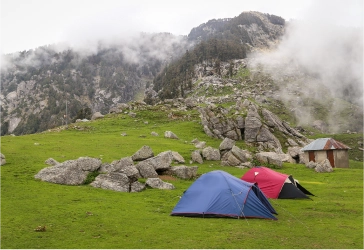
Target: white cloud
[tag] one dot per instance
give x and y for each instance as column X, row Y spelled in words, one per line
column 28, row 24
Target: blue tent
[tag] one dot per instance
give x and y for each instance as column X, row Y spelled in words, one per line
column 220, row 194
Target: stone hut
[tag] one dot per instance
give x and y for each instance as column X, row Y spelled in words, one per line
column 327, row 148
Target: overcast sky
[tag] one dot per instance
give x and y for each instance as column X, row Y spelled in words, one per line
column 27, row 24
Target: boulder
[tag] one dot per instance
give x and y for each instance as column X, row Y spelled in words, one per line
column 136, row 186
column 252, row 127
column 144, row 153
column 311, row 164
column 146, row 170
column 211, row 154
column 113, row 181
column 161, row 161
column 229, row 159
column 159, row 184
column 122, row 163
column 71, row 172
column 324, row 167
column 2, row 159
column 177, row 157
column 227, row 144
column 270, row 158
column 196, row 156
column 183, row 172
column 126, row 166
column 241, row 155
column 170, row 135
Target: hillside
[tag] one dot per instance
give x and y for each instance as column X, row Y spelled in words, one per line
column 87, row 217
column 36, row 84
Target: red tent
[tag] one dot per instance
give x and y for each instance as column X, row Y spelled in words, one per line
column 275, row 185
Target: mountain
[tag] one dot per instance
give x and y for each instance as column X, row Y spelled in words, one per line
column 217, row 62
column 217, row 41
column 36, row 84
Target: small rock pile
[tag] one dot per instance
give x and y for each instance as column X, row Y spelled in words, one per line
column 120, row 175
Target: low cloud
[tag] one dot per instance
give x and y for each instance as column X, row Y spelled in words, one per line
column 318, row 58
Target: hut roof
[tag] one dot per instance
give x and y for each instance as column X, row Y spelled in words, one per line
column 324, row 144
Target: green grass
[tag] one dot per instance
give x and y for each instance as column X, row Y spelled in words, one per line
column 87, row 217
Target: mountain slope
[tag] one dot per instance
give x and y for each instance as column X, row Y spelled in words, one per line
column 36, row 84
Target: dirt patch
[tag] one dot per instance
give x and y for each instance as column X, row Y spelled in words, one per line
column 167, row 178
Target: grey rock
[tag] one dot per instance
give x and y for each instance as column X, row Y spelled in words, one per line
column 230, row 160
column 112, row 181
column 324, row 167
column 311, row 164
column 183, row 172
column 226, row 144
column 211, row 154
column 144, row 153
column 136, row 186
column 97, row 115
column 51, row 162
column 177, row 157
column 196, row 157
column 161, row 161
column 159, row 184
column 170, row 135
column 2, row 159
column 252, row 127
column 241, row 155
column 200, row 144
column 154, row 133
column 71, row 172
column 269, row 157
column 146, row 170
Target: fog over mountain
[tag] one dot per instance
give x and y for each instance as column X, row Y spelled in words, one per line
column 320, row 50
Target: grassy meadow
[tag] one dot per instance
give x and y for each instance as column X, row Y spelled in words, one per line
column 87, row 217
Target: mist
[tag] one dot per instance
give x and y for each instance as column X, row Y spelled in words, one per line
column 320, row 56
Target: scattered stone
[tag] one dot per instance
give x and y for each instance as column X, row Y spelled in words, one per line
column 159, row 184
column 177, row 157
column 142, row 154
column 2, row 159
column 196, row 157
column 211, row 154
column 200, row 144
column 170, row 135
column 154, row 133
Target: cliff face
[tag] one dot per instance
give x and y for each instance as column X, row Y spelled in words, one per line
column 255, row 29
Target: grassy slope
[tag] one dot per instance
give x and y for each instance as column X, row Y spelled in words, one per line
column 86, row 217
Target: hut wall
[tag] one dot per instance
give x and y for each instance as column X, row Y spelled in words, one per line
column 320, row 155
column 341, row 158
